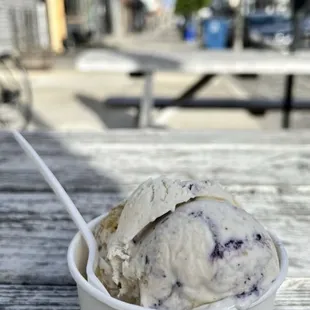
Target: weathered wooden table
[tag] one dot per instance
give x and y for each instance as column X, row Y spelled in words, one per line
column 206, row 62
column 268, row 172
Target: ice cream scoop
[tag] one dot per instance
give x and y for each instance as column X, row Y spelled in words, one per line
column 184, row 244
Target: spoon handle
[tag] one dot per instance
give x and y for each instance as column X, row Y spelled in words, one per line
column 70, row 206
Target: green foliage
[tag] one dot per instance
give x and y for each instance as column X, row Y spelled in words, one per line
column 186, row 7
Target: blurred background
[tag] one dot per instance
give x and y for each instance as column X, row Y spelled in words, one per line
column 40, row 42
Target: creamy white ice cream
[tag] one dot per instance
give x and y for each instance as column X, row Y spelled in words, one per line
column 179, row 245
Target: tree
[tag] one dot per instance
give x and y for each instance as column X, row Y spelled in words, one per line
column 187, row 7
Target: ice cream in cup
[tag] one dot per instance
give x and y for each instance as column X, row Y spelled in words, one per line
column 180, row 245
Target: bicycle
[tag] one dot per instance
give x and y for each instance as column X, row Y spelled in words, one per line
column 15, row 93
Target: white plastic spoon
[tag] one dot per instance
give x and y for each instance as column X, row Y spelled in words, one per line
column 71, row 208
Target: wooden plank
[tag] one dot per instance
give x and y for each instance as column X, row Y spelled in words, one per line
column 35, row 230
column 203, row 62
column 38, row 297
column 106, row 162
column 293, row 295
column 35, row 233
column 175, row 137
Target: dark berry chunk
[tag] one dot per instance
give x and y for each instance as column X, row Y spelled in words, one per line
column 234, row 244
column 243, row 294
column 217, row 252
column 157, row 305
column 178, row 284
column 196, row 214
column 147, row 260
column 258, row 237
column 253, row 289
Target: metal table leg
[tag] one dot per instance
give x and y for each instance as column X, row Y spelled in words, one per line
column 288, row 98
column 147, row 102
column 289, row 82
column 190, row 92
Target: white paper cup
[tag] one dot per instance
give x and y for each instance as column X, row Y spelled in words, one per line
column 91, row 298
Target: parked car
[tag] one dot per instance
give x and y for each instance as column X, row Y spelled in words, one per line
column 275, row 31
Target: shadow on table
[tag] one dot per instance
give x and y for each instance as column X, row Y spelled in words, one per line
column 131, row 61
column 37, row 229
column 151, row 61
column 71, row 163
column 110, row 117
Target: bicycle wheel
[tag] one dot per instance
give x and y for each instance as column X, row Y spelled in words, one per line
column 16, row 94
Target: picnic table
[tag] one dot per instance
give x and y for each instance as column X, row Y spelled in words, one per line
column 208, row 64
column 267, row 171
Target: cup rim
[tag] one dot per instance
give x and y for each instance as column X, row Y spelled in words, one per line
column 121, row 305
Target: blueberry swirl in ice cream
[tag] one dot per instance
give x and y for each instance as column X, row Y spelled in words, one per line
column 180, row 245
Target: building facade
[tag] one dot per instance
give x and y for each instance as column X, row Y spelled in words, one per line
column 8, row 30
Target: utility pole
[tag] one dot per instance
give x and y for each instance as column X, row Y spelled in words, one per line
column 239, row 25
column 116, row 18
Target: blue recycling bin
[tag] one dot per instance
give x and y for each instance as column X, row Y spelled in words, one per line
column 215, row 33
column 190, row 31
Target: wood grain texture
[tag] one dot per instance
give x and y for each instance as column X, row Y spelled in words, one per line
column 36, row 230
column 268, row 172
column 106, row 162
column 195, row 61
column 38, row 297
column 149, row 136
column 293, row 295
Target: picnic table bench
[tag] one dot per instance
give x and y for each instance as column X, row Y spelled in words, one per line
column 206, row 63
column 269, row 173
